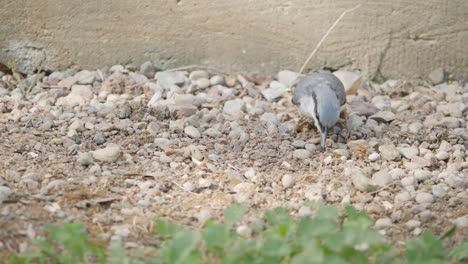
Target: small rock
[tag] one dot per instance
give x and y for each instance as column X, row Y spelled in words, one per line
column 250, row 173
column 413, row 224
column 108, row 154
column 167, row 79
column 85, row 158
column 244, row 187
column 409, row 152
column 461, row 222
column 99, row 138
column 244, row 230
column 341, row 152
column 192, row 132
column 297, row 143
column 203, row 83
column 77, row 125
column 188, row 186
column 275, row 91
column 85, row 77
column 383, row 223
column 442, row 155
column 203, row 216
column 422, row 175
column 162, row 143
column 350, row 80
column 148, row 69
column 383, row 117
column 287, row 77
column 402, row 197
column 424, row 198
column 4, row 193
column 183, row 109
column 389, row 152
column 211, row 132
column 359, row 180
column 234, row 107
column 67, row 82
column 287, row 181
column 165, row 159
column 354, row 122
column 189, row 99
column 382, row 178
column 199, row 74
column 437, row 76
column 217, row 80
column 374, row 156
column 439, row 191
column 449, row 122
column 301, row 154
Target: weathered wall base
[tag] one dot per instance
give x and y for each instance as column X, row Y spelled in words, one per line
column 397, row 38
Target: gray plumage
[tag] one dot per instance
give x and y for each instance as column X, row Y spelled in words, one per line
column 320, row 96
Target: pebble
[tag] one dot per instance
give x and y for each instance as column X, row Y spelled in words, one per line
column 234, row 107
column 424, row 198
column 389, row 152
column 382, row 178
column 383, row 117
column 287, row 181
column 374, row 156
column 422, row 175
column 99, row 138
column 461, row 222
column 85, row 158
column 287, row 77
column 167, row 79
column 162, row 143
column 402, row 197
column 297, row 143
column 192, row 132
column 359, row 180
column 383, row 223
column 439, row 191
column 203, row 216
column 413, row 224
column 198, row 74
column 351, row 81
column 108, row 154
column 341, row 152
column 301, row 154
column 275, row 91
column 409, row 152
column 4, row 193
column 214, row 133
column 442, row 155
column 148, row 69
column 77, row 125
column 188, row 186
column 203, row 83
column 217, row 80
column 437, row 76
column 244, row 230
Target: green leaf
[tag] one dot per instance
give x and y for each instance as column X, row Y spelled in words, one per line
column 234, row 213
column 180, row 249
column 217, row 236
column 167, row 229
column 276, row 248
column 281, row 220
column 460, row 252
column 309, row 228
column 427, row 247
column 357, row 219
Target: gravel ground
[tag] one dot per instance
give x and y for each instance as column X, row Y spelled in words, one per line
column 118, row 147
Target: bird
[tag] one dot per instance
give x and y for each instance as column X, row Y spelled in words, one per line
column 320, row 96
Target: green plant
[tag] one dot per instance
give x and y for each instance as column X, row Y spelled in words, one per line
column 25, row 86
column 326, row 237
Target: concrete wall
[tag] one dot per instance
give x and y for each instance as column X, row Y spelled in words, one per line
column 398, row 38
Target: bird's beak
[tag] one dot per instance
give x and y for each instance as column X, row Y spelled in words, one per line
column 324, row 138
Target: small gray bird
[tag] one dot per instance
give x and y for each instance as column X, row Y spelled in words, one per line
column 320, row 96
